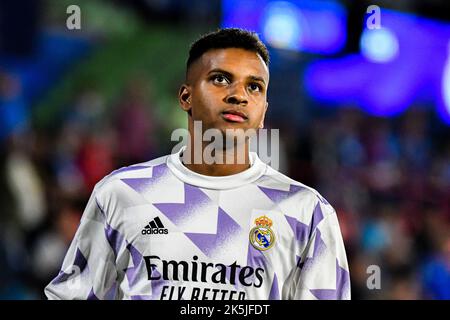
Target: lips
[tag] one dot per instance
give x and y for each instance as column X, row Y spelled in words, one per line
column 234, row 116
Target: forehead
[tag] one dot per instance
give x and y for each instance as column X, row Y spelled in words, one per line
column 239, row 62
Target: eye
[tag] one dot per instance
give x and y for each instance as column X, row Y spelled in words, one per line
column 255, row 87
column 220, row 79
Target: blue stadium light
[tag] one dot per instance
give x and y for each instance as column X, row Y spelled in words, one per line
column 316, row 26
column 407, row 63
column 444, row 109
column 379, row 45
column 282, row 25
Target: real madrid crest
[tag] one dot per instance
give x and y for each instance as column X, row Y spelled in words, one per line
column 261, row 236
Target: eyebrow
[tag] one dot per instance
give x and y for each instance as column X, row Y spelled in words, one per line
column 230, row 75
column 255, row 78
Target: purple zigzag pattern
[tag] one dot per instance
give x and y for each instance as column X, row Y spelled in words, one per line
column 342, row 276
column 319, row 248
column 132, row 273
column 316, row 217
column 274, row 291
column 80, row 262
column 111, row 294
column 194, row 198
column 157, row 284
column 277, row 195
column 114, row 238
column 92, row 296
column 226, row 229
column 255, row 258
column 342, row 286
column 142, row 184
column 301, row 230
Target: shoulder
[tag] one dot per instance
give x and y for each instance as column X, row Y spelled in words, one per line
column 277, row 180
column 293, row 197
column 131, row 171
column 112, row 189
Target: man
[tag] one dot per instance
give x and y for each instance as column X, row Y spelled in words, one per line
column 185, row 227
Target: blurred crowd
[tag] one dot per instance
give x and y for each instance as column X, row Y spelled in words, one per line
column 47, row 175
column 389, row 180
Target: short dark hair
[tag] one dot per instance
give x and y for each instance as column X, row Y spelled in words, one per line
column 228, row 38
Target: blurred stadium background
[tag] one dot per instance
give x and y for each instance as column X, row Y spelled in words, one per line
column 364, row 117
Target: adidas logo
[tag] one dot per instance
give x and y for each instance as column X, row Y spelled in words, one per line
column 155, row 227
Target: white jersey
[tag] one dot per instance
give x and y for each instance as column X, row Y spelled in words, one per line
column 158, row 230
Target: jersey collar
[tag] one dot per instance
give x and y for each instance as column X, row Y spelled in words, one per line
column 256, row 170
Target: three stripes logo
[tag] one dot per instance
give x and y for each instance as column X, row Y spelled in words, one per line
column 155, row 227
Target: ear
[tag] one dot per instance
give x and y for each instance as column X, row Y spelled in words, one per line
column 261, row 124
column 184, row 97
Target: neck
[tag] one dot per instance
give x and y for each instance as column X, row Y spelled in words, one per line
column 226, row 161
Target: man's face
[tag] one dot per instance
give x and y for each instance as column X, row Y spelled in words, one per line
column 227, row 89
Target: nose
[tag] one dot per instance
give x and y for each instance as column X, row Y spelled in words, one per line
column 237, row 95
